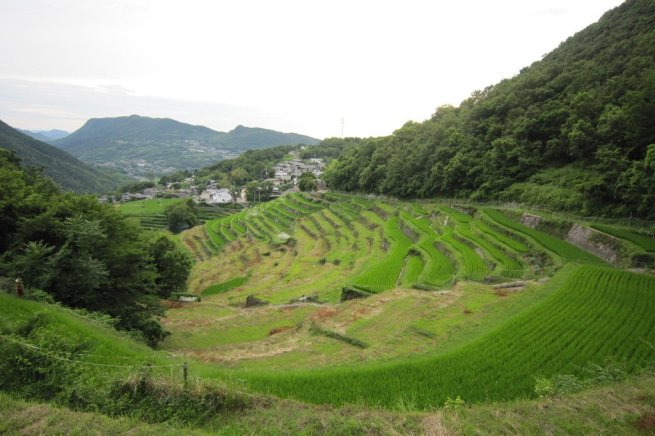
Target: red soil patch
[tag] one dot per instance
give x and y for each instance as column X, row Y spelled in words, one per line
column 646, row 424
column 328, row 312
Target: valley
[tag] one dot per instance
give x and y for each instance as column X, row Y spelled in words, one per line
column 451, row 292
column 488, row 270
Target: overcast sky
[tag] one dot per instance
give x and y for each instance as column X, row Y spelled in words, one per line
column 287, row 65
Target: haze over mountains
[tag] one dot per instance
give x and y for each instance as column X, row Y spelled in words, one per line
column 143, row 146
column 45, row 135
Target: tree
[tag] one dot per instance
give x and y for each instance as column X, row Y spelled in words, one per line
column 181, row 216
column 259, row 191
column 86, row 254
column 172, row 263
column 235, row 192
column 307, row 182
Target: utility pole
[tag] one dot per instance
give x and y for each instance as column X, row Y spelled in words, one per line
column 342, row 122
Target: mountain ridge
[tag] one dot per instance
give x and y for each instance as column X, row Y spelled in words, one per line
column 67, row 171
column 162, row 145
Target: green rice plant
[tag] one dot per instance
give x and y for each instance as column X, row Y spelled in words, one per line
column 512, row 243
column 564, row 250
column 219, row 288
column 641, row 240
column 308, row 201
column 592, row 314
column 296, row 203
column 255, row 230
column 282, row 213
column 456, row 215
column 364, row 203
column 237, row 227
column 419, row 210
column 383, row 275
column 279, row 221
column 507, row 266
column 412, row 269
column 472, row 266
column 147, row 207
column 267, row 226
column 345, row 213
column 225, row 231
column 438, row 269
column 213, row 231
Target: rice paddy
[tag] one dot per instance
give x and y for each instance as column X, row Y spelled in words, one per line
column 457, row 303
column 598, row 313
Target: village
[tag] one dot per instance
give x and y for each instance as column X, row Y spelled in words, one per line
column 285, row 177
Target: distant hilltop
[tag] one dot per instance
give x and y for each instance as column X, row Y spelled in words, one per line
column 144, row 146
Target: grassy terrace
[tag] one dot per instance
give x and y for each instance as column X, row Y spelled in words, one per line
column 564, row 250
column 503, row 364
column 641, row 240
column 432, row 328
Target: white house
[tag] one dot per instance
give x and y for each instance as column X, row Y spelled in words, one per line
column 216, row 196
column 282, row 175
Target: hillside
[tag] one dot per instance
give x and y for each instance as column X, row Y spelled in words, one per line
column 141, row 145
column 121, row 373
column 572, row 131
column 366, row 301
column 64, row 169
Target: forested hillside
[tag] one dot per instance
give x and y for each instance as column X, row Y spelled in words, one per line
column 82, row 253
column 573, row 131
column 64, row 169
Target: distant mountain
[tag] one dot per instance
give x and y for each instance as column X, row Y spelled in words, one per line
column 45, row 135
column 247, row 138
column 64, row 169
column 142, row 146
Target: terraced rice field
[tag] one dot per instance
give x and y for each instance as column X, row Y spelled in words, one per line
column 594, row 314
column 434, row 324
column 380, row 246
column 562, row 249
column 645, row 242
column 151, row 213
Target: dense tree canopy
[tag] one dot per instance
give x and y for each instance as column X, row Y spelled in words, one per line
column 573, row 131
column 307, row 182
column 84, row 253
column 181, row 216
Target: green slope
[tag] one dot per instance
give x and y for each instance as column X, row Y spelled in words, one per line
column 63, row 168
column 593, row 314
column 573, row 131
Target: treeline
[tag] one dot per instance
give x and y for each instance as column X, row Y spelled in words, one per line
column 573, row 131
column 85, row 254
